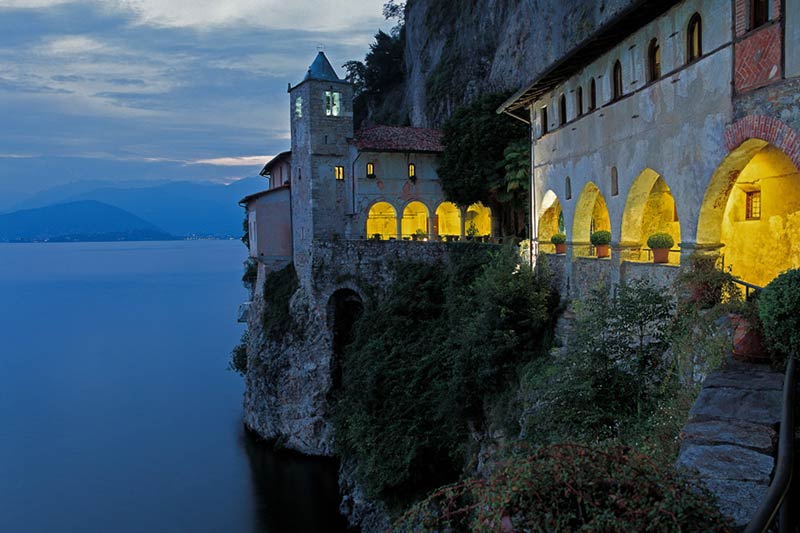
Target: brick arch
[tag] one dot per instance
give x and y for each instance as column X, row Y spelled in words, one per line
column 765, row 128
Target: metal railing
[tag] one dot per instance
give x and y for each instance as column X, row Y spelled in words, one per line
column 776, row 503
column 748, row 287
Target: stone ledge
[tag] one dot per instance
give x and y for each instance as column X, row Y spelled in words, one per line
column 760, row 407
column 726, row 462
column 746, row 435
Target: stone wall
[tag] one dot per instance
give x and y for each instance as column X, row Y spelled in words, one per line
column 588, row 273
column 662, row 275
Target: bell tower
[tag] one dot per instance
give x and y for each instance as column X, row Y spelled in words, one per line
column 321, row 108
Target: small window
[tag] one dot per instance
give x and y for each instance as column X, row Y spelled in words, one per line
column 579, row 101
column 654, row 61
column 592, row 95
column 562, row 109
column 339, row 173
column 753, row 205
column 370, row 169
column 412, row 170
column 759, row 13
column 567, row 188
column 333, row 103
column 694, row 39
column 298, row 107
column 543, row 119
column 614, row 182
column 617, row 81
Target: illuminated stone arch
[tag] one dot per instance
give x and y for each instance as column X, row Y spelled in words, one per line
column 591, row 214
column 650, row 208
column 752, row 207
column 416, row 220
column 479, row 217
column 551, row 220
column 447, row 221
column 382, row 220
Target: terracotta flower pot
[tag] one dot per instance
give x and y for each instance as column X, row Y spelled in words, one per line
column 602, row 250
column 660, row 255
column 561, row 248
column 748, row 343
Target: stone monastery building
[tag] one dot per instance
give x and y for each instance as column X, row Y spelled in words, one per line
column 379, row 183
column 680, row 117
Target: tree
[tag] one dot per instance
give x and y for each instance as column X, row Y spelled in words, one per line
column 476, row 166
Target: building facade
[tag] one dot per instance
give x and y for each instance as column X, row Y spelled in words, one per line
column 678, row 117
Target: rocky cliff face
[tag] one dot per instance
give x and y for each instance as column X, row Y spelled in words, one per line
column 457, row 49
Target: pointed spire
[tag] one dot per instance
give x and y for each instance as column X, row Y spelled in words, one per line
column 321, row 69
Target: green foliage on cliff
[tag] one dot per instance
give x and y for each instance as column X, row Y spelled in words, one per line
column 486, row 160
column 428, row 358
column 279, row 286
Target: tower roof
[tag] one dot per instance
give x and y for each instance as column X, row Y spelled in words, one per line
column 321, row 70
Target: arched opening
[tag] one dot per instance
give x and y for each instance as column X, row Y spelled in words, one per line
column 752, row 207
column 344, row 309
column 478, row 221
column 614, row 181
column 447, row 222
column 567, row 188
column 591, row 214
column 551, row 221
column 562, row 109
column 694, row 38
column 382, row 221
column 649, row 209
column 579, row 101
column 592, row 95
column 415, row 221
column 653, row 61
column 617, row 81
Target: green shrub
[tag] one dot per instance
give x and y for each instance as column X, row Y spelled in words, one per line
column 600, row 238
column 238, row 362
column 571, row 488
column 707, row 284
column 660, row 240
column 425, row 359
column 558, row 238
column 279, row 286
column 779, row 310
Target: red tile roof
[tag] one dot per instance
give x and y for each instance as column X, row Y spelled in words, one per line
column 399, row 139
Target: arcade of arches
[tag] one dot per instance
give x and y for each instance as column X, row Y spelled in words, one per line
column 449, row 221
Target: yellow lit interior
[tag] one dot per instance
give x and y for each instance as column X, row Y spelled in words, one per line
column 591, row 214
column 759, row 250
column 448, row 219
column 415, row 218
column 382, row 219
column 548, row 226
column 649, row 209
column 480, row 217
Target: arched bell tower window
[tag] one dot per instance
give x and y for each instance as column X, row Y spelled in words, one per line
column 653, row 61
column 617, row 81
column 694, row 39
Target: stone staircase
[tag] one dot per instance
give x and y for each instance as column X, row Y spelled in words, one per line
column 731, row 437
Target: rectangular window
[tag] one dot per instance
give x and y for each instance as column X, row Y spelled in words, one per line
column 753, row 205
column 543, row 120
column 339, row 173
column 759, row 13
column 298, row 107
column 370, row 169
column 412, row 170
column 333, row 103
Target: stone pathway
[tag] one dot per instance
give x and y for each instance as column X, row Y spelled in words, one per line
column 731, row 436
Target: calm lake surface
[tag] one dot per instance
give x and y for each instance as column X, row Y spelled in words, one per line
column 117, row 412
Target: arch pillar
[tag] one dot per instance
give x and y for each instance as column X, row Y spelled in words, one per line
column 399, row 232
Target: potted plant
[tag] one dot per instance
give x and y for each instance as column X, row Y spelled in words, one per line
column 601, row 240
column 748, row 337
column 419, row 235
column 560, row 240
column 661, row 244
column 376, row 236
column 472, row 231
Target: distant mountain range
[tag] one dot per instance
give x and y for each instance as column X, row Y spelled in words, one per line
column 77, row 221
column 179, row 209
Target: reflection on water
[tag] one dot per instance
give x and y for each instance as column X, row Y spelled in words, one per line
column 116, row 411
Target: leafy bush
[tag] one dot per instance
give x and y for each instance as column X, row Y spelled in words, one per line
column 707, row 284
column 238, row 362
column 571, row 488
column 425, row 359
column 558, row 238
column 600, row 238
column 612, row 373
column 660, row 240
column 779, row 310
column 279, row 286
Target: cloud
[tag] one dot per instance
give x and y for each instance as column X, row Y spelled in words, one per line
column 244, row 161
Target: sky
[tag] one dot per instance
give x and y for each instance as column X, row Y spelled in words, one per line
column 126, row 90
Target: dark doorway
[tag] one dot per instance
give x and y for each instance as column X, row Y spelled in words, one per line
column 344, row 309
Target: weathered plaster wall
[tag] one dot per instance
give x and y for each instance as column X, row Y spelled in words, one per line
column 270, row 225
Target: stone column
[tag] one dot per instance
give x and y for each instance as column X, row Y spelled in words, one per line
column 463, row 221
column 400, row 228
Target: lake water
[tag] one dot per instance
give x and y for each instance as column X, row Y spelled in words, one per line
column 117, row 412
